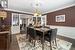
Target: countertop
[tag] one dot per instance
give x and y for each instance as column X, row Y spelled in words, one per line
column 3, row 32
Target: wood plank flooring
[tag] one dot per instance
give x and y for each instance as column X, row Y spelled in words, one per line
column 14, row 44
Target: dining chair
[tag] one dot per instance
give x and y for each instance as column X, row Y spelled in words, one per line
column 34, row 38
column 33, row 35
column 51, row 37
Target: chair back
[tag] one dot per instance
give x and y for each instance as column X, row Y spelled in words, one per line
column 53, row 34
column 32, row 32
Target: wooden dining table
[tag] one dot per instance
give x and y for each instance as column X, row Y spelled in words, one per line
column 42, row 31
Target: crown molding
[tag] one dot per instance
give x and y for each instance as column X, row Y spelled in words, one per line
column 17, row 11
column 60, row 8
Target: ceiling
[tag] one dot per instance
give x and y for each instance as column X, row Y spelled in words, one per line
column 44, row 5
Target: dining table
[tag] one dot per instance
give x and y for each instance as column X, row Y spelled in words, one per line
column 43, row 31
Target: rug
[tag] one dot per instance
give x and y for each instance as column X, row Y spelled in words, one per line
column 25, row 45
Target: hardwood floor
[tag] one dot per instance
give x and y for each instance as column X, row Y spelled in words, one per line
column 14, row 44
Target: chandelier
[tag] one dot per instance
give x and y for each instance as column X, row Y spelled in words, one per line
column 37, row 10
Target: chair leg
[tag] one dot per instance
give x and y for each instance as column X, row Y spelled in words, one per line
column 50, row 46
column 55, row 43
column 29, row 39
column 26, row 36
column 34, row 42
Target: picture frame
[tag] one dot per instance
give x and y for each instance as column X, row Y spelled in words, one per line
column 60, row 18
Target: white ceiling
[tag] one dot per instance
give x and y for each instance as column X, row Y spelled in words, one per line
column 44, row 6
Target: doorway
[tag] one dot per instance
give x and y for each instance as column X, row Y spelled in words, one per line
column 23, row 25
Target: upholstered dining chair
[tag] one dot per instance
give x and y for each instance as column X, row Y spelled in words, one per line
column 33, row 35
column 51, row 37
column 34, row 38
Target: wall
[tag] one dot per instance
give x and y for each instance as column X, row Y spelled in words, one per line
column 65, row 31
column 69, row 17
column 66, row 28
column 7, row 20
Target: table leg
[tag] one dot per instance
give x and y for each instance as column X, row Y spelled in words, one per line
column 43, row 42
